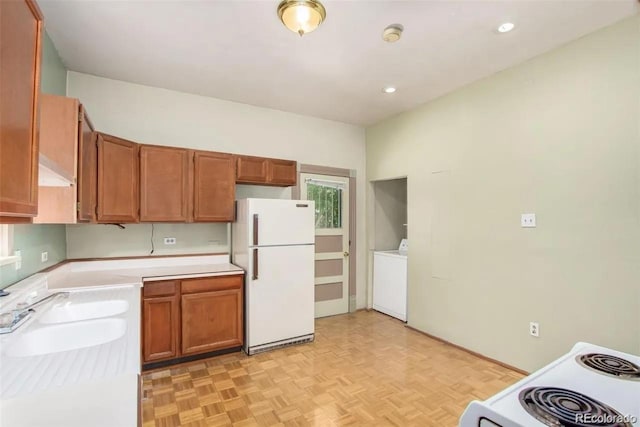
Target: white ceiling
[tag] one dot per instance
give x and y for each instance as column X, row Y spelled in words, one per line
column 239, row 50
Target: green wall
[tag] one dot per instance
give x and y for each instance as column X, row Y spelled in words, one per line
column 557, row 136
column 32, row 240
column 53, row 77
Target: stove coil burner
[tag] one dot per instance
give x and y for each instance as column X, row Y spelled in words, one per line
column 559, row 407
column 610, row 365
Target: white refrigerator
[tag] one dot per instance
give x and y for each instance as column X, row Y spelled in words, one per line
column 274, row 242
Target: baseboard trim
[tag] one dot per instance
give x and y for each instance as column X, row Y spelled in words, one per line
column 466, row 350
column 151, row 366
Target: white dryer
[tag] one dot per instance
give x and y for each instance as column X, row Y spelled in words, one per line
column 390, row 281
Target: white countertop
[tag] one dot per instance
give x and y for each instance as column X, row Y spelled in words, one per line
column 92, row 386
column 136, row 271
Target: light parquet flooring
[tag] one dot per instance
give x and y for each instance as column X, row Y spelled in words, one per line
column 363, row 369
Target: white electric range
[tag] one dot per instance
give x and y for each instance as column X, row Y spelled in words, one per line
column 589, row 386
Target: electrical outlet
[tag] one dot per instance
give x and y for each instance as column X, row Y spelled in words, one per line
column 528, row 220
column 18, row 263
column 534, row 329
column 170, row 240
column 44, row 256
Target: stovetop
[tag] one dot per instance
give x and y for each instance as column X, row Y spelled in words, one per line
column 607, row 364
column 554, row 406
column 567, row 386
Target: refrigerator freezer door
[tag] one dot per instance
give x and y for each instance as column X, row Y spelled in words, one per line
column 280, row 300
column 280, row 222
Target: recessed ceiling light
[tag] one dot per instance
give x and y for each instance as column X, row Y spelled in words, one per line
column 389, row 89
column 506, row 27
column 392, row 33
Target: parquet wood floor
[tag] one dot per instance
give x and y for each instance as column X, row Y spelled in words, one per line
column 363, row 369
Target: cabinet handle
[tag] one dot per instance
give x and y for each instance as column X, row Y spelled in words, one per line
column 255, row 265
column 255, row 229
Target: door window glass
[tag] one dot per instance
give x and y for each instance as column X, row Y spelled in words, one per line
column 328, row 204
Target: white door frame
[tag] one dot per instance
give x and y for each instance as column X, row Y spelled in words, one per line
column 351, row 174
column 338, row 305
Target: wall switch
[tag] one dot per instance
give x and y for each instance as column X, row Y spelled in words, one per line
column 528, row 220
column 18, row 263
column 170, row 240
column 44, row 256
column 534, row 329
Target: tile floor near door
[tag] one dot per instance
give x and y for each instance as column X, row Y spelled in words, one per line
column 363, row 369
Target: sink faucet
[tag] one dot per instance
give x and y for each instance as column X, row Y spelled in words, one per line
column 10, row 321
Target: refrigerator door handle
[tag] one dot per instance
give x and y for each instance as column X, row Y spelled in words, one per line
column 255, row 229
column 254, row 276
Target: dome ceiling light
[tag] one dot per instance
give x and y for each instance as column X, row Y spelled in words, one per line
column 301, row 16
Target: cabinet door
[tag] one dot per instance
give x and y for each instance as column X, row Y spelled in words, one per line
column 60, row 123
column 214, row 187
column 20, row 39
column 282, row 172
column 87, row 168
column 118, row 197
column 211, row 321
column 160, row 322
column 164, row 183
column 251, row 170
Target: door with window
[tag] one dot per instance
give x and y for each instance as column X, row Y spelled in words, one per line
column 331, row 196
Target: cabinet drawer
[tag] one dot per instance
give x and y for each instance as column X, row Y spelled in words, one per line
column 158, row 289
column 208, row 284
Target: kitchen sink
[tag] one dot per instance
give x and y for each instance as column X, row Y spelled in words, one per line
column 65, row 337
column 70, row 312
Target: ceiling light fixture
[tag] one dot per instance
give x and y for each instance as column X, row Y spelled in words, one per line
column 506, row 27
column 392, row 33
column 301, row 16
column 389, row 89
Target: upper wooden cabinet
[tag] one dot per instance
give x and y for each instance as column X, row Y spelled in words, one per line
column 265, row 171
column 20, row 41
column 251, row 170
column 164, row 184
column 67, row 140
column 214, row 187
column 87, row 175
column 118, row 196
column 282, row 172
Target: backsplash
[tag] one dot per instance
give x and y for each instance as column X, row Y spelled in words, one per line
column 106, row 240
column 31, row 241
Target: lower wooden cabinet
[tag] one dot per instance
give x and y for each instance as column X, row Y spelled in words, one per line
column 161, row 317
column 191, row 316
column 160, row 321
column 212, row 313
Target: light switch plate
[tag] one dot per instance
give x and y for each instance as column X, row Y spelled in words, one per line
column 44, row 256
column 528, row 220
